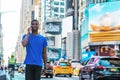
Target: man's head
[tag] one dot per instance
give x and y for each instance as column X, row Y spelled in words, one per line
column 12, row 56
column 34, row 25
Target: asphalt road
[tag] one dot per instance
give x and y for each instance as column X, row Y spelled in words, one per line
column 19, row 76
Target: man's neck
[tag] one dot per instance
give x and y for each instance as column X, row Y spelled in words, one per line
column 35, row 33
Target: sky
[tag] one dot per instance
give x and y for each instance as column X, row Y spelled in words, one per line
column 10, row 23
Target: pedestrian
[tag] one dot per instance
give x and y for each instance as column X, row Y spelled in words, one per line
column 36, row 46
column 11, row 64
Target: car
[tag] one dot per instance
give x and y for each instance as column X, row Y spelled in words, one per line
column 76, row 67
column 62, row 68
column 100, row 68
column 49, row 70
column 21, row 68
column 76, row 70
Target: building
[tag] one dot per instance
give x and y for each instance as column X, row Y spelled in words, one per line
column 72, row 45
column 1, row 36
column 53, row 12
column 30, row 9
column 54, row 8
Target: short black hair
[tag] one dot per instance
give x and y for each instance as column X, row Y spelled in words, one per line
column 34, row 20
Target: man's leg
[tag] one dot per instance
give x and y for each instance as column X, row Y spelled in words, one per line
column 13, row 69
column 29, row 74
column 37, row 74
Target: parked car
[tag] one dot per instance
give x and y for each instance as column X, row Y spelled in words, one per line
column 49, row 70
column 63, row 68
column 100, row 68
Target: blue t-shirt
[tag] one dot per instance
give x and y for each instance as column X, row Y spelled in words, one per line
column 34, row 49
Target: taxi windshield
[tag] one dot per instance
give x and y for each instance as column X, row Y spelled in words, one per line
column 64, row 64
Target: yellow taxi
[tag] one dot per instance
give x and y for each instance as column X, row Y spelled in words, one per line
column 76, row 71
column 76, row 67
column 62, row 68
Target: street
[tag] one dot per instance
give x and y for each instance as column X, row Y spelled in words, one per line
column 20, row 76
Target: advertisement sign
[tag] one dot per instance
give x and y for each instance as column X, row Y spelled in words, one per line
column 53, row 27
column 51, row 40
column 104, row 22
column 87, row 55
column 67, row 25
column 54, row 53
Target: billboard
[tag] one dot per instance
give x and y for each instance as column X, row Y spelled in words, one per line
column 53, row 27
column 104, row 22
column 54, row 53
column 51, row 40
column 67, row 25
column 87, row 55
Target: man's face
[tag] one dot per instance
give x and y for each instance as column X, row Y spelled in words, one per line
column 34, row 26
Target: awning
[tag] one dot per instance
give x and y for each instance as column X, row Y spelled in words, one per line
column 104, row 43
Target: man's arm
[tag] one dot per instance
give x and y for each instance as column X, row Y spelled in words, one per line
column 25, row 41
column 45, row 57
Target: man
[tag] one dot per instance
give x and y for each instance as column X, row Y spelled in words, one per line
column 11, row 63
column 36, row 52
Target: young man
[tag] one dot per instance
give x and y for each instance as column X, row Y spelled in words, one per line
column 35, row 52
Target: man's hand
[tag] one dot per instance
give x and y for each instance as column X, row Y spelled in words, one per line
column 29, row 30
column 44, row 70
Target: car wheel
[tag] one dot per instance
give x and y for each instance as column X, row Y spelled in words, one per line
column 56, row 75
column 46, row 76
column 80, row 77
column 70, row 75
column 92, row 77
column 51, row 76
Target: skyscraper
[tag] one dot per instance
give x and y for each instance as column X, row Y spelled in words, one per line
column 54, row 8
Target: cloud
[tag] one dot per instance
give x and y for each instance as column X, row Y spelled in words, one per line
column 96, row 8
column 116, row 17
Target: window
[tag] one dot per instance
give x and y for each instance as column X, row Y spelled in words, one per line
column 62, row 3
column 91, row 61
column 56, row 9
column 56, row 3
column 55, row 14
column 32, row 15
column 61, row 16
column 62, row 10
column 64, row 64
column 106, row 62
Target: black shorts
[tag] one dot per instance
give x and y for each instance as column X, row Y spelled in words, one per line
column 11, row 66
